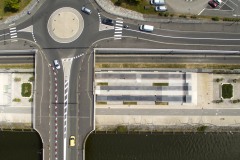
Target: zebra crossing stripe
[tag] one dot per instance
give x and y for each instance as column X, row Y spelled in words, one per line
column 119, row 25
column 13, row 28
column 118, row 29
column 13, row 36
column 119, row 21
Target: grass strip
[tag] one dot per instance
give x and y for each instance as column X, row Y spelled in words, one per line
column 161, row 103
column 16, row 66
column 102, row 103
column 102, row 84
column 141, row 6
column 129, row 103
column 160, row 84
column 164, row 65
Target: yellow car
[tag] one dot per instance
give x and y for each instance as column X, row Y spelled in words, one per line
column 72, row 141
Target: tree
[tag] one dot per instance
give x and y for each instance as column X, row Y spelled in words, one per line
column 11, row 5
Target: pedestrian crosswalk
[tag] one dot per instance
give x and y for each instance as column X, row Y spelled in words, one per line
column 118, row 28
column 13, row 32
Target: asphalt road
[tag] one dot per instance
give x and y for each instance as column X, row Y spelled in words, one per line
column 80, row 102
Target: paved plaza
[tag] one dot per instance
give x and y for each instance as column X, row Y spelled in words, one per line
column 131, row 98
column 12, row 110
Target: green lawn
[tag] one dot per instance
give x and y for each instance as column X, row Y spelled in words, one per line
column 26, row 89
column 227, row 91
column 22, row 3
column 160, row 84
column 136, row 7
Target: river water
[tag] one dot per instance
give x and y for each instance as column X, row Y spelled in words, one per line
column 164, row 146
column 18, row 145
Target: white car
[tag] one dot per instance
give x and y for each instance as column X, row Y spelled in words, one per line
column 56, row 64
column 86, row 10
column 161, row 8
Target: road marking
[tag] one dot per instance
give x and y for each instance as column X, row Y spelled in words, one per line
column 119, row 22
column 13, row 28
column 118, row 28
column 11, row 24
column 14, row 36
column 13, row 32
column 34, row 37
column 232, row 3
column 99, row 17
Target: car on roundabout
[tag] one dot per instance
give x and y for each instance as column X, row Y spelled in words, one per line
column 56, row 64
column 86, row 10
column 108, row 21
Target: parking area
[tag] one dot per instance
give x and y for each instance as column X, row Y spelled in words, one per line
column 228, row 8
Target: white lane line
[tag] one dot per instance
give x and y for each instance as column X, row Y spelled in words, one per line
column 201, row 11
column 117, row 38
column 232, row 3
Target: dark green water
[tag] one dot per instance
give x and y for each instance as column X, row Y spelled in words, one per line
column 20, row 146
column 167, row 146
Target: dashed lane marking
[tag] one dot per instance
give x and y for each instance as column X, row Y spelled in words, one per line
column 99, row 17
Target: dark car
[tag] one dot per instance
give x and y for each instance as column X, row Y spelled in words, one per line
column 108, row 21
column 213, row 4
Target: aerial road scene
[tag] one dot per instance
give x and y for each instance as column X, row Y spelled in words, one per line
column 119, row 79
